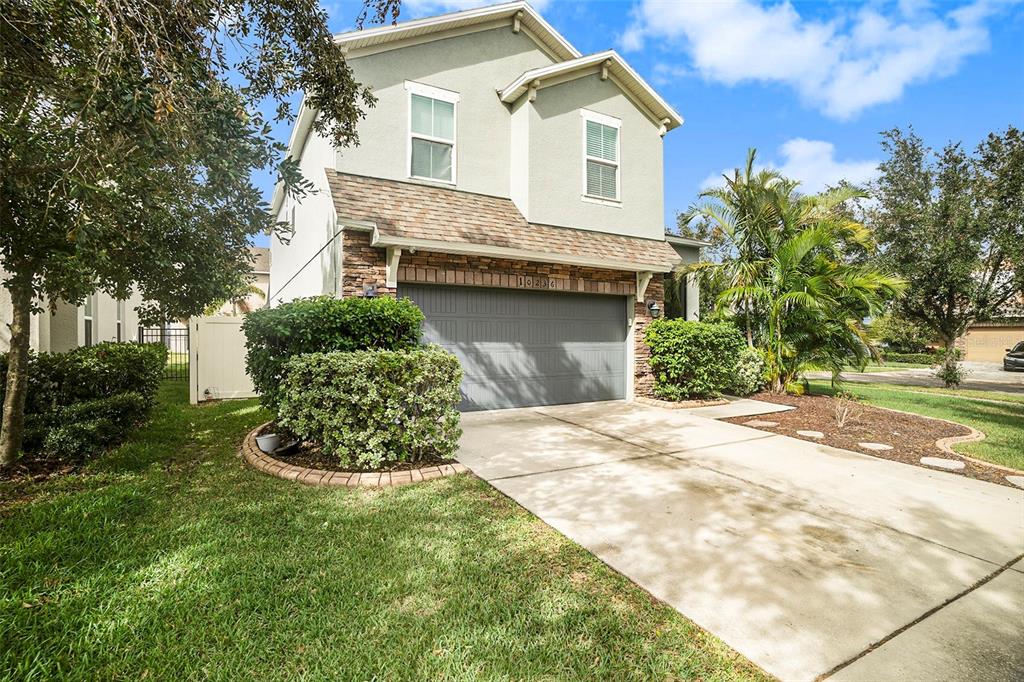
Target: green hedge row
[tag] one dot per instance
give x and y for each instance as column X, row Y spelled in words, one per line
column 917, row 358
column 323, row 324
column 371, row 407
column 81, row 402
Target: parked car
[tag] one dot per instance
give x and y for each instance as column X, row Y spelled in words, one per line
column 1014, row 359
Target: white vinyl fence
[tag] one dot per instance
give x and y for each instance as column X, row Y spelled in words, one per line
column 217, row 362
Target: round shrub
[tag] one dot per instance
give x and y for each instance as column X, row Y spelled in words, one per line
column 749, row 375
column 368, row 408
column 692, row 359
column 323, row 324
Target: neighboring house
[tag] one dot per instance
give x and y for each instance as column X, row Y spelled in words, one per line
column 100, row 318
column 511, row 187
column 260, row 279
column 989, row 341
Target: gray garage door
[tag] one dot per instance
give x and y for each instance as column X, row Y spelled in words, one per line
column 521, row 348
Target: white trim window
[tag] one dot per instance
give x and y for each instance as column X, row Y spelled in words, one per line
column 601, row 170
column 432, row 125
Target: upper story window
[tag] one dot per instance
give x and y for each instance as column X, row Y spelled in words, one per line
column 600, row 156
column 431, row 132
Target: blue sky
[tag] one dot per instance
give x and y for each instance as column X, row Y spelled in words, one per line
column 809, row 84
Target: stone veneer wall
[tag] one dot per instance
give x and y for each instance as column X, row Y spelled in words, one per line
column 365, row 264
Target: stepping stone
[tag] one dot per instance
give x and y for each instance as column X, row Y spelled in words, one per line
column 943, row 463
column 1016, row 480
column 875, row 446
column 757, row 423
column 811, row 434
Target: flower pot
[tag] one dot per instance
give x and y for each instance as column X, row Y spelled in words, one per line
column 268, row 442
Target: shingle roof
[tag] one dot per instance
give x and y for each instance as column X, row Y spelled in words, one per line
column 414, row 211
column 261, row 256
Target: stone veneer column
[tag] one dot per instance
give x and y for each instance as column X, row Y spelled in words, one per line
column 643, row 377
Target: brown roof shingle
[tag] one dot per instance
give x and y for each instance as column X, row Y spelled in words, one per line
column 414, row 211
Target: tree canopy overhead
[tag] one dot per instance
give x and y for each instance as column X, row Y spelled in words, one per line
column 129, row 132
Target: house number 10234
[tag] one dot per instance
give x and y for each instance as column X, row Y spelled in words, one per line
column 536, row 282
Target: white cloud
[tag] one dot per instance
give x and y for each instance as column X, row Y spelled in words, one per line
column 841, row 65
column 424, row 8
column 814, row 164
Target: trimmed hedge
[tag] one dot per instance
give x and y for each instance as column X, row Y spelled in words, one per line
column 368, row 408
column 917, row 358
column 693, row 359
column 323, row 324
column 80, row 402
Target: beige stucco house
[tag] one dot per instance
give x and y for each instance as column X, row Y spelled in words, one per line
column 100, row 318
column 512, row 187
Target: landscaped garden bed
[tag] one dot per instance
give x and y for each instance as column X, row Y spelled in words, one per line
column 911, row 437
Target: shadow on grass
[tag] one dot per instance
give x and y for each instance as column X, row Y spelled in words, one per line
column 169, row 558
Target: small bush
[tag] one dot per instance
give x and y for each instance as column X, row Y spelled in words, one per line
column 951, row 372
column 692, row 359
column 368, row 408
column 749, row 376
column 323, row 324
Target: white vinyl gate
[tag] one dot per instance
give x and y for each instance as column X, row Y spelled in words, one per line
column 217, row 362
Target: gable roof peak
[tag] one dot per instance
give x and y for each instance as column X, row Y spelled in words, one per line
column 519, row 13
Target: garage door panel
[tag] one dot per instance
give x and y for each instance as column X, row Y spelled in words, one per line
column 989, row 344
column 521, row 348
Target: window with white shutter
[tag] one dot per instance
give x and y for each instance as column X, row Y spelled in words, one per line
column 431, row 132
column 600, row 156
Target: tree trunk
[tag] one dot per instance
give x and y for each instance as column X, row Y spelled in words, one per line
column 12, row 428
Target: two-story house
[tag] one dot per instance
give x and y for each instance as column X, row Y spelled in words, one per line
column 507, row 184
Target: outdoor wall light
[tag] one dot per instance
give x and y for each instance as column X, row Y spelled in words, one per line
column 654, row 309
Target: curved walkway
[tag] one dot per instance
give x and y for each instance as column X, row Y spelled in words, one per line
column 809, row 560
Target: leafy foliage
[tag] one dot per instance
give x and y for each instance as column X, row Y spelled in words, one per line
column 749, row 375
column 692, row 359
column 369, row 408
column 913, row 358
column 951, row 372
column 900, row 334
column 129, row 134
column 323, row 324
column 791, row 283
column 87, row 429
column 81, row 402
column 952, row 225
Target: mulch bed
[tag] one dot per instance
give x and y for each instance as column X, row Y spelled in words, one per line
column 912, row 436
column 36, row 469
column 311, row 457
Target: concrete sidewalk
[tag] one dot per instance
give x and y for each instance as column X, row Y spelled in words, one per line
column 806, row 559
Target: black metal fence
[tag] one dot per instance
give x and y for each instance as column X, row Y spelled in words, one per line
column 176, row 340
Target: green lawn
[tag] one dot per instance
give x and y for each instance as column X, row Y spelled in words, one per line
column 1002, row 423
column 169, row 559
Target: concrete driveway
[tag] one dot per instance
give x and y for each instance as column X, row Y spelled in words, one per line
column 981, row 376
column 808, row 560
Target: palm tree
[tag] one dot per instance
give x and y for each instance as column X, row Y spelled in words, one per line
column 742, row 213
column 238, row 300
column 801, row 303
